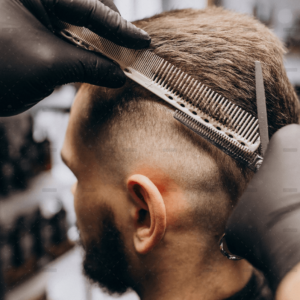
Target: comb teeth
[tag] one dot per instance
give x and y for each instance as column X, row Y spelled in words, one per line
column 234, row 149
column 207, row 113
column 214, row 105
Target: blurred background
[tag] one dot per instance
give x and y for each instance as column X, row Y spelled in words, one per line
column 39, row 258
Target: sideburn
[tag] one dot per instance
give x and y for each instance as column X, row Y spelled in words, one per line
column 105, row 261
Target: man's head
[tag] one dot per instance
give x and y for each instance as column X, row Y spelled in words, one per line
column 162, row 192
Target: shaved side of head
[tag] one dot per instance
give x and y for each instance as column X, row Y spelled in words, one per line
column 130, row 125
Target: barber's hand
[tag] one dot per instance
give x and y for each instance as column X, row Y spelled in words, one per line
column 33, row 61
column 264, row 228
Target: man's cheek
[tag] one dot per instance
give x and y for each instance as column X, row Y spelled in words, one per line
column 83, row 218
column 88, row 218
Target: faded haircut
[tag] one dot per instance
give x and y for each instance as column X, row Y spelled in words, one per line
column 216, row 47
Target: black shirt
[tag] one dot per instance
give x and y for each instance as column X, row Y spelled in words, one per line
column 257, row 288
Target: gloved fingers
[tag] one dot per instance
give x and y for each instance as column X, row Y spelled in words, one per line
column 285, row 145
column 39, row 11
column 99, row 71
column 78, row 65
column 101, row 19
column 270, row 196
column 111, row 5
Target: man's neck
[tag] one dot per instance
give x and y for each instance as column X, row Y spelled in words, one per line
column 213, row 277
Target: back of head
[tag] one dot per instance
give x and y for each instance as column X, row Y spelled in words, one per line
column 130, row 125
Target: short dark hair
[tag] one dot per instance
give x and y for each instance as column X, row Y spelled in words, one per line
column 218, row 48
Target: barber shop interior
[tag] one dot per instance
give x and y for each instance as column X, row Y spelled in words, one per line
column 149, row 149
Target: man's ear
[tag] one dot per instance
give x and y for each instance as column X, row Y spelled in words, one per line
column 149, row 213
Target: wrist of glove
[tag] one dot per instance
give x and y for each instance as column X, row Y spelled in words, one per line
column 33, row 60
column 264, row 228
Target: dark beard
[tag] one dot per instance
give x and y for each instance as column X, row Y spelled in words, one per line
column 105, row 260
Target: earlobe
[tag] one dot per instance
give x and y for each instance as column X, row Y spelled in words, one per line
column 147, row 198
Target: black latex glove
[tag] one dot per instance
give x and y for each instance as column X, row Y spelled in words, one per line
column 264, row 228
column 33, row 61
